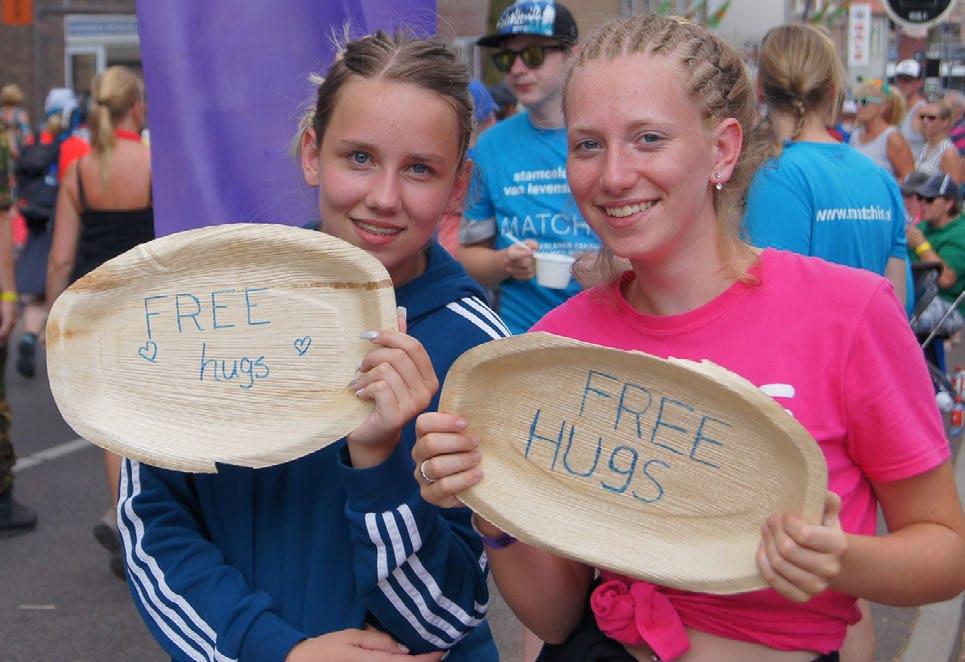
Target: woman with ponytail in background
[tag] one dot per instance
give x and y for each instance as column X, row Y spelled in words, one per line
column 880, row 110
column 816, row 196
column 103, row 209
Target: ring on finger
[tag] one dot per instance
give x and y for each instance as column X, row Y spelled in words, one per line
column 426, row 477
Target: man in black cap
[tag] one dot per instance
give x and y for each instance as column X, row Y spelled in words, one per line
column 940, row 237
column 523, row 202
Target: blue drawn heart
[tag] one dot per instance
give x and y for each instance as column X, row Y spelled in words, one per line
column 148, row 351
column 302, row 345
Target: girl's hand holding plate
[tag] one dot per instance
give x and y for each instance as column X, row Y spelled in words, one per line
column 398, row 377
column 446, row 458
column 800, row 560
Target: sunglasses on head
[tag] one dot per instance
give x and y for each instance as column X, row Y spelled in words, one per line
column 869, row 101
column 532, row 56
column 926, row 116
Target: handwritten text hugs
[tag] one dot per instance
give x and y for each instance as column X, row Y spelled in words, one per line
column 205, row 313
column 646, row 435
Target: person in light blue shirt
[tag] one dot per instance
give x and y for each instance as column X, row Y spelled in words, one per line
column 818, row 196
column 831, row 201
column 521, row 190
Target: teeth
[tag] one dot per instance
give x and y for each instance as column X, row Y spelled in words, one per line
column 626, row 210
column 377, row 229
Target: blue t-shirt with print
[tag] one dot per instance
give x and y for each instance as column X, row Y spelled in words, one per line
column 521, row 189
column 830, row 201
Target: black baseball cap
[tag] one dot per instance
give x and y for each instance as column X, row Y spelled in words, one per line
column 538, row 18
column 909, row 186
column 940, row 186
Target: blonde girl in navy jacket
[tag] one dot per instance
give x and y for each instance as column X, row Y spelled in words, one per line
column 336, row 556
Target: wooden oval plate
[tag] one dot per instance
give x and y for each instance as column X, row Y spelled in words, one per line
column 232, row 343
column 661, row 470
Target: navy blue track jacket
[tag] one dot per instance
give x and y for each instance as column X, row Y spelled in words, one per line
column 245, row 563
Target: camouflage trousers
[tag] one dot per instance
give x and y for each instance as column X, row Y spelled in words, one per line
column 7, row 456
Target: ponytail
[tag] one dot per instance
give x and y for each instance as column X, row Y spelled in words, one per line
column 114, row 92
column 800, row 73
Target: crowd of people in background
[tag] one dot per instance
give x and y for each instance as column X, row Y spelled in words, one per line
column 630, row 154
column 76, row 193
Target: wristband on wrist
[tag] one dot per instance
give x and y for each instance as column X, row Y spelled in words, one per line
column 923, row 247
column 492, row 542
column 10, row 297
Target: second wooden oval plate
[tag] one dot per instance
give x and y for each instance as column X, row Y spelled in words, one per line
column 663, row 470
column 232, row 343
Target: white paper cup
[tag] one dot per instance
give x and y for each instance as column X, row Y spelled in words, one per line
column 553, row 270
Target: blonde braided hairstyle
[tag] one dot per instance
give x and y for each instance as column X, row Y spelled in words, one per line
column 800, row 73
column 716, row 79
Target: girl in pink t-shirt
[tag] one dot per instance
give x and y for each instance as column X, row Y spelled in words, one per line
column 662, row 145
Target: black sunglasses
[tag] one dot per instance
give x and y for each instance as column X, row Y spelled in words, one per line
column 532, row 56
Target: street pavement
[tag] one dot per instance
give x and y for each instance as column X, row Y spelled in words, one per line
column 59, row 601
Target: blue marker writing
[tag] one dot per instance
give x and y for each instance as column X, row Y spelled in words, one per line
column 250, row 305
column 193, row 316
column 148, row 314
column 215, row 307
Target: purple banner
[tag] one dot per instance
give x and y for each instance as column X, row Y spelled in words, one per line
column 226, row 84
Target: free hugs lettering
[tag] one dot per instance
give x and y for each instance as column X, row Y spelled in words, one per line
column 625, row 437
column 206, row 315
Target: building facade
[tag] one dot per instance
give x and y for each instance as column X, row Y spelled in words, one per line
column 64, row 43
column 58, row 43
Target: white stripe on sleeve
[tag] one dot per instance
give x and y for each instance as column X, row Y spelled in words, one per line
column 432, row 587
column 371, row 525
column 469, row 315
column 427, row 615
column 133, row 547
column 487, row 312
column 176, row 639
column 400, row 607
column 411, row 527
column 158, row 574
column 398, row 547
column 381, row 564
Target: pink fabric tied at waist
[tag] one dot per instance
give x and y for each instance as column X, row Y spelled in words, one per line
column 639, row 614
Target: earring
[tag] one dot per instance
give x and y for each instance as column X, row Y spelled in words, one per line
column 719, row 185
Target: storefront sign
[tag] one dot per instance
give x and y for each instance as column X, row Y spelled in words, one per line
column 859, row 34
column 100, row 26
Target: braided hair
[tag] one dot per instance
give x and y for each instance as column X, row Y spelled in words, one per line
column 716, row 79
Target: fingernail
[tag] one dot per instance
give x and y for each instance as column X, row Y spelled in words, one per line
column 402, row 312
column 352, row 383
column 476, row 456
column 358, row 393
column 475, row 440
column 369, row 335
column 460, row 423
column 403, row 649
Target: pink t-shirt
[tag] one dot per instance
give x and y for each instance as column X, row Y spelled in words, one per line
column 836, row 343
